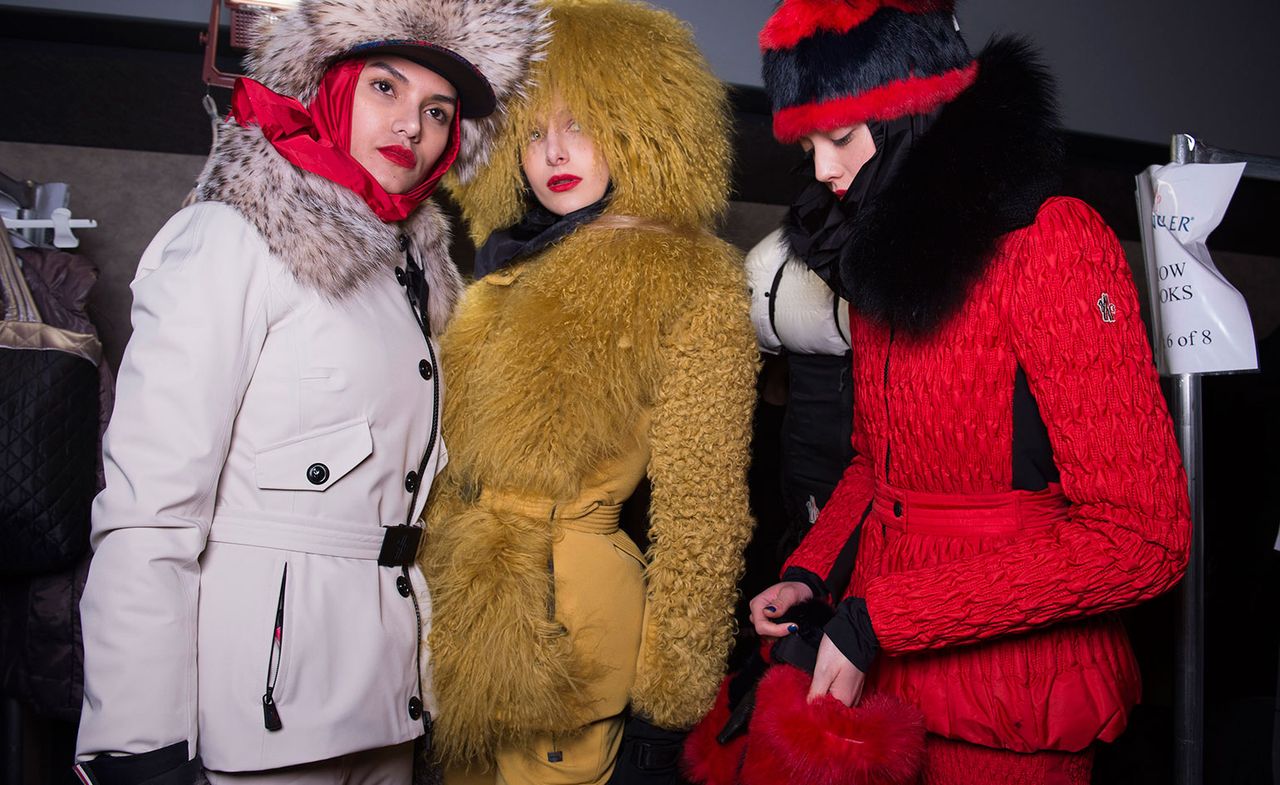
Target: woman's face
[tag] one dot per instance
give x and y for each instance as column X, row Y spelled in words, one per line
column 400, row 121
column 564, row 168
column 839, row 154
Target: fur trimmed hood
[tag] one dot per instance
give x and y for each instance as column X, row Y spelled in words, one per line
column 661, row 119
column 325, row 233
column 983, row 169
column 501, row 38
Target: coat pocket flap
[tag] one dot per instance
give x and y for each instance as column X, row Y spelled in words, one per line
column 315, row 460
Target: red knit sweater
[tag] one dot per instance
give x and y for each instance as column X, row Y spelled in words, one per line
column 935, row 414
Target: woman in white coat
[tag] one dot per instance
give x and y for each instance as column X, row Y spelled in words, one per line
column 253, row 610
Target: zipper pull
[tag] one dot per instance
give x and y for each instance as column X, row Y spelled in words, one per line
column 270, row 716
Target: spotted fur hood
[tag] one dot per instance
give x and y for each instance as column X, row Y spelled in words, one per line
column 323, row 232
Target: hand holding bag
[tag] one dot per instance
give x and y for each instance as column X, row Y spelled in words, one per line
column 880, row 741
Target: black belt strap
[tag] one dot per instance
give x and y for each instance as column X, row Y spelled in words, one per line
column 399, row 546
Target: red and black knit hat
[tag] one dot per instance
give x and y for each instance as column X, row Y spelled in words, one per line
column 835, row 63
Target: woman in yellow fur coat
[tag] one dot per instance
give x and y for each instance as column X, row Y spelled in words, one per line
column 608, row 340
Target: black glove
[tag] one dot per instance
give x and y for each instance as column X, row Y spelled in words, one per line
column 649, row 755
column 821, row 592
column 165, row 766
column 850, row 630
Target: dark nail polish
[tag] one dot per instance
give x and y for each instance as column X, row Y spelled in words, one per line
column 792, row 628
column 770, row 609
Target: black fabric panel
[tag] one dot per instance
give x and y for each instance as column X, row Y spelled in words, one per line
column 890, row 46
column 1033, row 464
column 816, row 432
column 818, row 424
column 851, row 631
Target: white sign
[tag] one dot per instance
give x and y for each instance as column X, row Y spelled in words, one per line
column 1200, row 323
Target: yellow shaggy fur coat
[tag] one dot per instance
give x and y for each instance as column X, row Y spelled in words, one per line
column 626, row 344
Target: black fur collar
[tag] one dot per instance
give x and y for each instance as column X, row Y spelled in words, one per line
column 989, row 161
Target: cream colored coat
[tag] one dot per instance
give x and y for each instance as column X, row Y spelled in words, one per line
column 237, row 381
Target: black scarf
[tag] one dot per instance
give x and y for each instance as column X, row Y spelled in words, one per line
column 989, row 160
column 537, row 230
column 818, row 225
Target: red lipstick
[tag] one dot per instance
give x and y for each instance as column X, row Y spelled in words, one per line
column 400, row 156
column 840, row 192
column 563, row 182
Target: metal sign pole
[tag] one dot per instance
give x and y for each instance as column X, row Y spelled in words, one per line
column 1188, row 698
column 1189, row 660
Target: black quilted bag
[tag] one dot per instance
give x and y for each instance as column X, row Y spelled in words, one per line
column 48, row 432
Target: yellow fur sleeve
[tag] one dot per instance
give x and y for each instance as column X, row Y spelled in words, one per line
column 700, row 521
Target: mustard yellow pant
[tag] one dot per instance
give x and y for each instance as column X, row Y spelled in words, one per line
column 599, row 597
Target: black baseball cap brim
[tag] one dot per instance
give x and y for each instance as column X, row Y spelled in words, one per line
column 474, row 91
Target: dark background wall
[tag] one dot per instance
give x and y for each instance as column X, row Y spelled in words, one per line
column 1132, row 69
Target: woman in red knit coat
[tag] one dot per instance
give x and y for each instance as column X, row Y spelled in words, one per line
column 1016, row 478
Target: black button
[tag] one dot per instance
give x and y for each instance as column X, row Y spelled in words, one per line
column 317, row 474
column 411, row 482
column 424, row 368
column 897, row 509
column 400, row 275
column 402, row 586
column 415, row 708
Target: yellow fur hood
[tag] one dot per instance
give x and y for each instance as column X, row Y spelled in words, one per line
column 661, row 119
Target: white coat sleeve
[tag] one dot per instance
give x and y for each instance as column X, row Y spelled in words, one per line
column 199, row 322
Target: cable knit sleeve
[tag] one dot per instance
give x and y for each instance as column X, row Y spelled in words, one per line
column 1128, row 529
column 700, row 520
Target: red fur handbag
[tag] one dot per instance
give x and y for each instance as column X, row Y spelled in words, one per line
column 789, row 740
column 763, row 730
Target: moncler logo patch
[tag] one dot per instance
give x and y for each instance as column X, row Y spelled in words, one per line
column 1107, row 308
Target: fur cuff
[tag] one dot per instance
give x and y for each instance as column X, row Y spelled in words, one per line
column 502, row 669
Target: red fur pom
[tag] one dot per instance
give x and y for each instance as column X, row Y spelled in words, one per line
column 796, row 20
column 878, row 742
column 707, row 761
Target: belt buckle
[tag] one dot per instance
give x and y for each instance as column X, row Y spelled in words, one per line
column 399, row 546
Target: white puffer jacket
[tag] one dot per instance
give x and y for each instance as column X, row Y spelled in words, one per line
column 791, row 307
